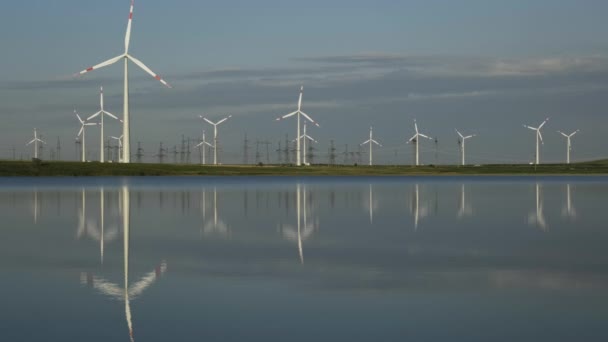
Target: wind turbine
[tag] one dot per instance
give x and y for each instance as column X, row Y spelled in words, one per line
column 539, row 137
column 119, row 139
column 126, row 157
column 83, row 133
column 298, row 113
column 371, row 142
column 462, row 143
column 416, row 141
column 35, row 141
column 202, row 145
column 102, row 112
column 568, row 144
column 305, row 136
column 215, row 134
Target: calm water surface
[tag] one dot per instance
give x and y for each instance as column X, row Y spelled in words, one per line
column 304, row 259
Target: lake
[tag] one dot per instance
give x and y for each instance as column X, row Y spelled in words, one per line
column 304, row 259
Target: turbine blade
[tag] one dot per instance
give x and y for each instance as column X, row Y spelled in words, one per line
column 94, row 115
column 309, row 119
column 460, row 134
column 573, row 133
column 209, row 121
column 562, row 133
column 101, row 65
column 375, row 142
column 146, row 69
column 224, row 119
column 424, row 136
column 128, row 33
column 540, row 135
column 530, row 127
column 544, row 122
column 366, row 141
column 81, row 130
column 31, row 142
column 412, row 138
column 79, row 118
column 287, row 115
column 111, row 115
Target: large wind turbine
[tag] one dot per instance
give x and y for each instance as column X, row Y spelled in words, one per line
column 539, row 138
column 462, row 143
column 298, row 113
column 569, row 144
column 119, row 139
column 126, row 151
column 305, row 137
column 83, row 133
column 215, row 134
column 416, row 139
column 101, row 112
column 35, row 141
column 202, row 145
column 371, row 142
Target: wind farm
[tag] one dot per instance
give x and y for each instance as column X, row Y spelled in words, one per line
column 305, row 171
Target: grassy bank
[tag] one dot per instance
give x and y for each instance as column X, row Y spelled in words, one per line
column 20, row 168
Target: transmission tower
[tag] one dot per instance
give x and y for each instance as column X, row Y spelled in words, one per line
column 246, row 150
column 332, row 153
column 279, row 154
column 286, row 150
column 108, row 150
column 78, row 147
column 162, row 153
column 175, row 153
column 58, row 155
column 267, row 144
column 140, row 152
column 257, row 152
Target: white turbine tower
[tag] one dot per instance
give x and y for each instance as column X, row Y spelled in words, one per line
column 462, row 143
column 215, row 124
column 539, row 138
column 298, row 113
column 305, row 137
column 371, row 142
column 126, row 157
column 101, row 112
column 82, row 132
column 416, row 140
column 568, row 144
column 35, row 141
column 202, row 145
column 119, row 139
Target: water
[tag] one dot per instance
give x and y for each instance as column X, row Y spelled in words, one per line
column 304, row 259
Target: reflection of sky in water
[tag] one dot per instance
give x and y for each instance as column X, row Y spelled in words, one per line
column 301, row 259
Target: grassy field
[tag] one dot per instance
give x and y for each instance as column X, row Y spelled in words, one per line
column 21, row 168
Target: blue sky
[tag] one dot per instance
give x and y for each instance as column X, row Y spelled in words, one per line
column 485, row 67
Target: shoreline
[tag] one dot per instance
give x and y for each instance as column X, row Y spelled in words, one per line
column 95, row 169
